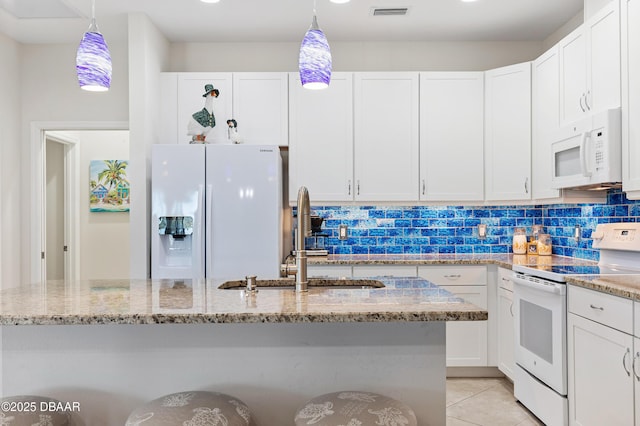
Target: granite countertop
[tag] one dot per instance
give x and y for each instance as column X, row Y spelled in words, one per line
column 627, row 286
column 201, row 301
column 502, row 260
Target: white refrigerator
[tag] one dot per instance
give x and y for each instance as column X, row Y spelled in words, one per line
column 217, row 211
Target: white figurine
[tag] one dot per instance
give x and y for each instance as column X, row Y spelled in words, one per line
column 233, row 134
column 202, row 122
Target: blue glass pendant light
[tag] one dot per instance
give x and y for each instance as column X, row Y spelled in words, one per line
column 315, row 58
column 93, row 60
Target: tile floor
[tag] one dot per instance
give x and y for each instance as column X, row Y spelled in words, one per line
column 485, row 402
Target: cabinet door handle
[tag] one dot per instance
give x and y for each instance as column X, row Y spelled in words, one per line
column 635, row 370
column 349, row 187
column 526, row 185
column 627, row 354
column 423, row 187
column 581, row 104
column 511, row 309
column 453, row 276
column 586, row 100
column 599, row 308
column 358, row 183
column 505, row 279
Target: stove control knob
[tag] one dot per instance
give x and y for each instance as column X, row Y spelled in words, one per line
column 597, row 234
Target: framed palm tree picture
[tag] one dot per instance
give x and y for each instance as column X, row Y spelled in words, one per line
column 108, row 186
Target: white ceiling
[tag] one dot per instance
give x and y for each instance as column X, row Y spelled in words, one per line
column 287, row 20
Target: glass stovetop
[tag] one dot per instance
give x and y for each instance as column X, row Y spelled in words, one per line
column 557, row 271
column 587, row 270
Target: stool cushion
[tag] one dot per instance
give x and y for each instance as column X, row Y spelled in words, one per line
column 355, row 408
column 30, row 410
column 193, row 408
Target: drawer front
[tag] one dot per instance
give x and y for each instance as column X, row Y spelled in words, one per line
column 384, row 271
column 615, row 312
column 504, row 279
column 325, row 271
column 454, row 275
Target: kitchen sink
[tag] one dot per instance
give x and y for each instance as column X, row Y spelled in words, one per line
column 290, row 284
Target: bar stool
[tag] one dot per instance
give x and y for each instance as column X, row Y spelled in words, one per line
column 29, row 410
column 351, row 408
column 192, row 408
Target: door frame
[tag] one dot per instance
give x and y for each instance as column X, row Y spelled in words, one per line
column 37, row 240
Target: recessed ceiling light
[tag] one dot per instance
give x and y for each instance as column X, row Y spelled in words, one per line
column 210, row 1
column 340, row 1
column 468, row 1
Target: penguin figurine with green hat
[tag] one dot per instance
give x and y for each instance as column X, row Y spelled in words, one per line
column 202, row 122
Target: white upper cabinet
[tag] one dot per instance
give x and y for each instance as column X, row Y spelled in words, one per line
column 545, row 116
column 257, row 101
column 631, row 98
column 451, row 136
column 590, row 65
column 321, row 139
column 545, row 120
column 386, row 136
column 181, row 95
column 190, row 91
column 508, row 133
column 260, row 106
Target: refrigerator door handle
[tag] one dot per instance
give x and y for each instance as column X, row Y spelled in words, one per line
column 198, row 264
column 207, row 229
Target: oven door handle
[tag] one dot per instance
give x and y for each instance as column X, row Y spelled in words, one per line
column 547, row 288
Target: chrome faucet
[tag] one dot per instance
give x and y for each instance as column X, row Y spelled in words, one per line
column 299, row 269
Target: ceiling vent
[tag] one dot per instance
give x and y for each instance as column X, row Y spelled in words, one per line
column 389, row 11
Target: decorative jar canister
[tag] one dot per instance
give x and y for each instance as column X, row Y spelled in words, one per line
column 544, row 244
column 519, row 241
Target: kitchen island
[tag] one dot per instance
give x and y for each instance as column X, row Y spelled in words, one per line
column 111, row 345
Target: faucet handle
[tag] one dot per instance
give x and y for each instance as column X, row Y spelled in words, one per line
column 251, row 283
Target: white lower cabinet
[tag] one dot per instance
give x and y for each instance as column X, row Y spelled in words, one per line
column 384, row 271
column 467, row 341
column 360, row 271
column 506, row 324
column 329, row 271
column 601, row 363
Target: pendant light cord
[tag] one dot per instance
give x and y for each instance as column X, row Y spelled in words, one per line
column 314, row 7
column 93, row 27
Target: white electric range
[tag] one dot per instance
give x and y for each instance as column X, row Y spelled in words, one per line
column 540, row 305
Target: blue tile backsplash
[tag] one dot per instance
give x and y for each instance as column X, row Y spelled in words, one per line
column 453, row 229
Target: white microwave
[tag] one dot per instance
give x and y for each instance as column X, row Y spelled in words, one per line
column 587, row 154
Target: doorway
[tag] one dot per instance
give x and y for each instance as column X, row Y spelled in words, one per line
column 60, row 206
column 60, row 217
column 56, row 210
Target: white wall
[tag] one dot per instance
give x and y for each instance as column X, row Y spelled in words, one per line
column 50, row 93
column 148, row 57
column 563, row 31
column 10, row 143
column 134, row 98
column 104, row 237
column 354, row 56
